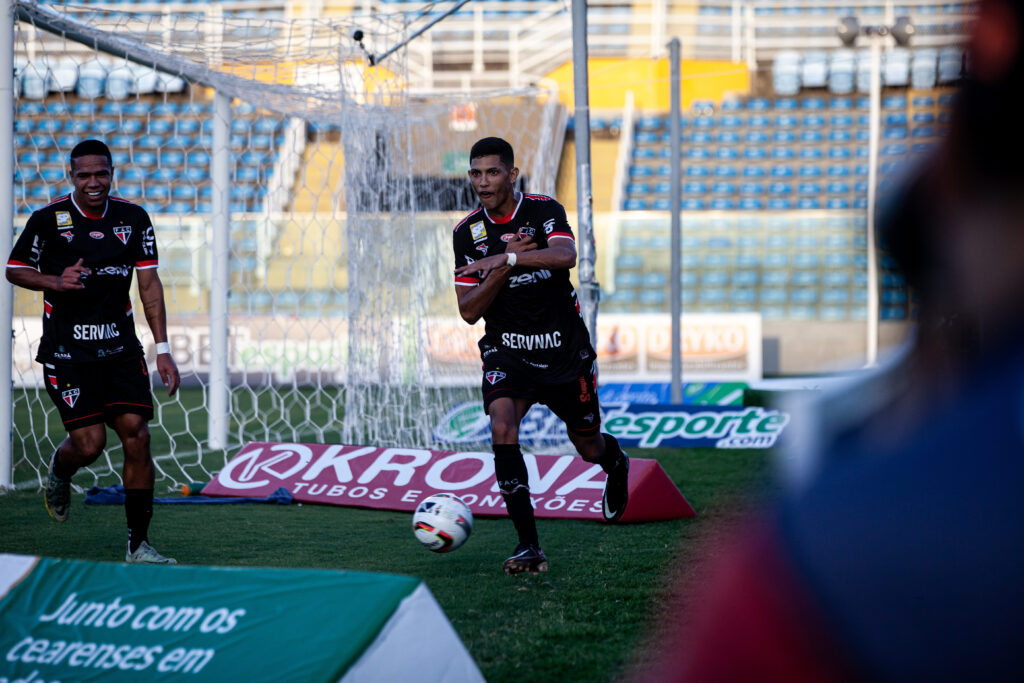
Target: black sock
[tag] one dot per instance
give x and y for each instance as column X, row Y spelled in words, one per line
column 510, row 471
column 138, row 508
column 612, row 453
column 60, row 470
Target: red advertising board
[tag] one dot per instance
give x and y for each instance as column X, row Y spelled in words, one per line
column 562, row 486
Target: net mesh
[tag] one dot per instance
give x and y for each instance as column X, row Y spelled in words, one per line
column 344, row 190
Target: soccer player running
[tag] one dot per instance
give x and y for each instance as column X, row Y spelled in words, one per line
column 512, row 261
column 80, row 251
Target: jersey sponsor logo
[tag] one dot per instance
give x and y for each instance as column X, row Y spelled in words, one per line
column 531, row 342
column 123, row 233
column 508, row 237
column 528, row 278
column 527, row 231
column 123, row 271
column 96, row 332
column 549, row 226
column 478, row 231
column 482, row 247
column 71, row 396
column 96, row 235
column 62, row 355
column 148, row 241
column 68, row 235
column 63, row 218
column 103, row 353
column 494, row 376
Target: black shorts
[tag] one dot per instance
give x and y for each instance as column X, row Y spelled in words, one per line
column 95, row 393
column 574, row 402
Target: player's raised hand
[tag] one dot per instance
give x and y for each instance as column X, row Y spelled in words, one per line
column 73, row 276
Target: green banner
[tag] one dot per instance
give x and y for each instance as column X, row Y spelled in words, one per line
column 82, row 621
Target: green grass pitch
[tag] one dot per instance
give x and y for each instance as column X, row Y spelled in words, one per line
column 587, row 619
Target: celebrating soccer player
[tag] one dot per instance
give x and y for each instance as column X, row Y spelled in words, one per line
column 512, row 261
column 81, row 251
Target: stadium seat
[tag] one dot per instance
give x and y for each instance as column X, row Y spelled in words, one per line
column 841, row 71
column 924, row 69
column 786, row 72
column 814, row 69
column 896, row 68
column 950, row 65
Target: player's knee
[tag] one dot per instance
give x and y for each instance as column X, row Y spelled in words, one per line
column 504, row 431
column 136, row 441
column 86, row 444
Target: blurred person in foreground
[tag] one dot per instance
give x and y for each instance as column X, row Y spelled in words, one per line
column 901, row 556
column 81, row 251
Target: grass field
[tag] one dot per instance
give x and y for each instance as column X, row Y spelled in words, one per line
column 584, row 620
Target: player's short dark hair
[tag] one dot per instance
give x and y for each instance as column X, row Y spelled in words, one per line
column 485, row 147
column 87, row 148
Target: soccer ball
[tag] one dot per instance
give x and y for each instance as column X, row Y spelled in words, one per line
column 442, row 522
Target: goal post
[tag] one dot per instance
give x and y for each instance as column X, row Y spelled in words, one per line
column 303, row 203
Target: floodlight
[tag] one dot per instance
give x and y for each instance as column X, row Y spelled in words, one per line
column 849, row 29
column 903, row 31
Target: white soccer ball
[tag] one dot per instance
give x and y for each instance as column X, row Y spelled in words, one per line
column 442, row 522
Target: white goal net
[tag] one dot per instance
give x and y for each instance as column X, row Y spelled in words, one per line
column 344, row 187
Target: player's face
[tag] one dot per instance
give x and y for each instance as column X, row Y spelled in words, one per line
column 91, row 176
column 492, row 182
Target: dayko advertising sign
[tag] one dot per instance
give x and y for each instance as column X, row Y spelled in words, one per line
column 562, row 486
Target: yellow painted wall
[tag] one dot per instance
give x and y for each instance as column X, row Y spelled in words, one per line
column 609, row 79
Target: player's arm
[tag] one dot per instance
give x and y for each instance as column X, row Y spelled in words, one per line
column 151, row 292
column 25, row 275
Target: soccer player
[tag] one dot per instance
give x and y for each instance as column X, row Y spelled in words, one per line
column 81, row 251
column 512, row 261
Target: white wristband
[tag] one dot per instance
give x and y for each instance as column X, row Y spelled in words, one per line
column 510, row 259
column 162, row 347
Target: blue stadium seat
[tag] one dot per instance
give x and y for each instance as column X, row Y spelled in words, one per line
column 759, row 121
column 731, row 121
column 839, row 136
column 786, row 121
column 842, row 71
column 786, row 137
column 810, row 171
column 754, row 172
column 696, row 153
column 130, row 191
column 805, row 278
column 661, row 204
column 638, row 188
column 808, row 203
column 783, row 153
column 810, row 153
column 725, row 153
column 195, row 175
column 896, row 68
column 950, row 65
column 755, row 153
column 692, row 204
column 779, row 188
column 782, row 171
column 751, row 189
column 163, row 174
column 758, row 104
column 725, row 171
column 696, row 171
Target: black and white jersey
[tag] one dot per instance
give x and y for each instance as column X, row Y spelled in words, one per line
column 95, row 323
column 536, row 315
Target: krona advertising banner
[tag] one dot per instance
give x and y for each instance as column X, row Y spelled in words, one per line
column 67, row 620
column 561, row 486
